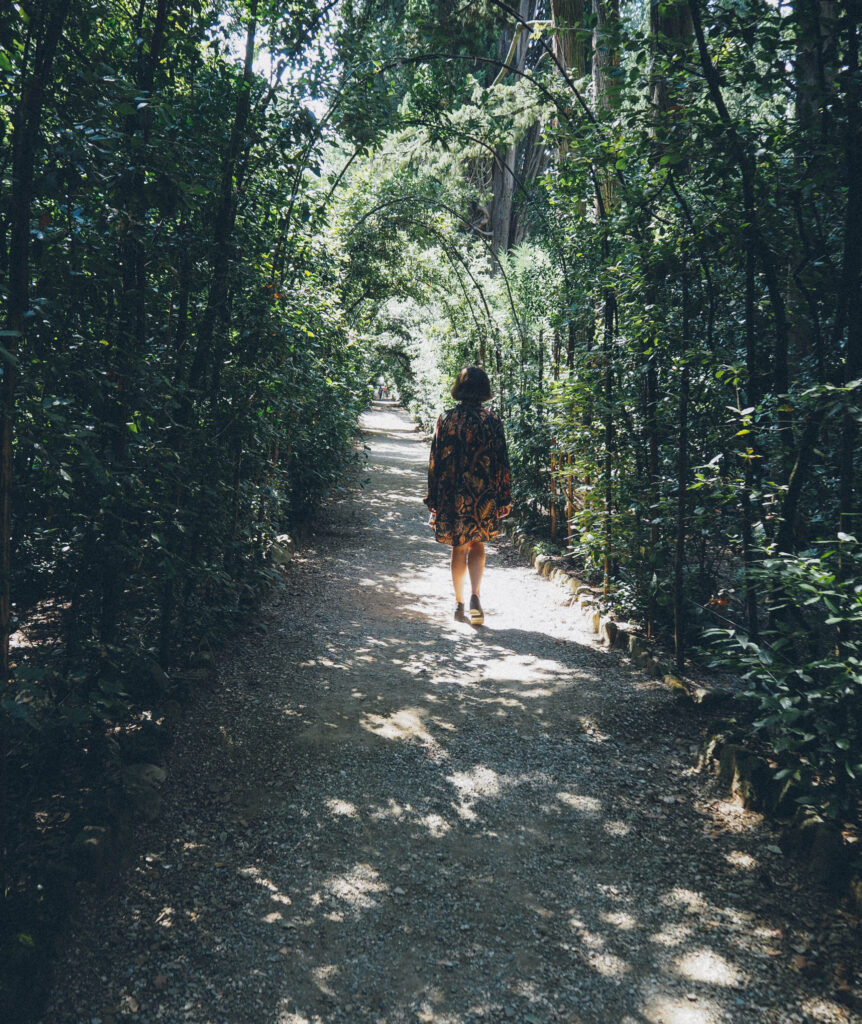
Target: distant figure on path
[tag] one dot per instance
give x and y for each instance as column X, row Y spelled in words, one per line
column 469, row 484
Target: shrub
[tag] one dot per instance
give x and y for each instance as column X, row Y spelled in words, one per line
column 804, row 671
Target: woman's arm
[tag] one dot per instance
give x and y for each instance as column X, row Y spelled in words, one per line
column 433, row 468
column 502, row 472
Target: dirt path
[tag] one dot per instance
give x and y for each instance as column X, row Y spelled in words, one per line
column 384, row 816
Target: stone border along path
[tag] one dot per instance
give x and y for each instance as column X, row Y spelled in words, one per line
column 381, row 815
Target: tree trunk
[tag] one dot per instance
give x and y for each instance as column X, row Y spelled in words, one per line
column 605, row 59
column 607, row 470
column 568, row 19
column 652, row 475
column 131, row 328
column 679, row 629
column 607, row 92
column 540, row 404
column 27, row 118
column 25, row 137
column 755, row 240
column 670, row 31
column 815, row 62
column 679, row 639
column 568, row 47
column 504, row 230
column 217, row 308
column 503, row 184
column 814, row 70
column 851, row 284
column 848, row 316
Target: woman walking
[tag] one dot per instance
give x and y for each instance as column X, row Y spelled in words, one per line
column 469, row 484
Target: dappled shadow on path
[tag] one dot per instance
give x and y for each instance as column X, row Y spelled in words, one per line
column 430, row 823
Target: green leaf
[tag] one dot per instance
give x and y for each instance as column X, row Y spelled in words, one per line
column 5, row 355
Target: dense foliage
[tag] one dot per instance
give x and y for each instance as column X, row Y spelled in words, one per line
column 180, row 382
column 220, row 221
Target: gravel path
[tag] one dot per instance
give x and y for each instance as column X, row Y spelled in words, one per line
column 381, row 815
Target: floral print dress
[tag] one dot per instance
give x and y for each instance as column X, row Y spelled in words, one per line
column 468, row 475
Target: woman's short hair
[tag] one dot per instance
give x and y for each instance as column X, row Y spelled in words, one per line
column 472, row 385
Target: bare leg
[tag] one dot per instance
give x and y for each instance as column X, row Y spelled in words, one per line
column 459, row 570
column 476, row 564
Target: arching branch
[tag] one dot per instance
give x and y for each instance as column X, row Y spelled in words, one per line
column 488, row 248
